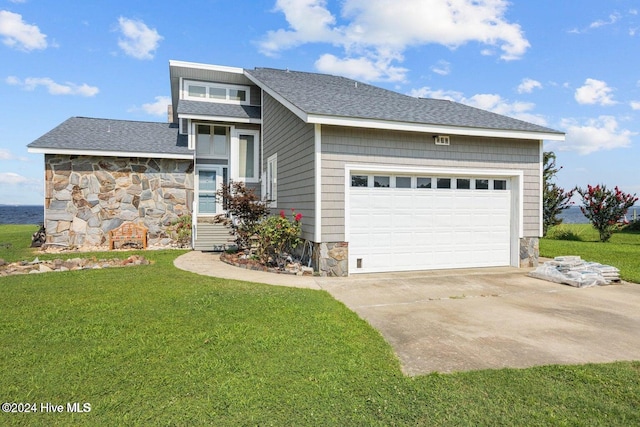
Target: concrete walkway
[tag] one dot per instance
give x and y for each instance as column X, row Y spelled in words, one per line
column 209, row 264
column 460, row 320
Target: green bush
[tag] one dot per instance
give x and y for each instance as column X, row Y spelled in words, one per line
column 181, row 230
column 277, row 236
column 632, row 226
column 562, row 232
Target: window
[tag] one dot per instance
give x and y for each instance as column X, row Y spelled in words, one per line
column 403, row 182
column 499, row 184
column 247, row 156
column 463, row 183
column 237, row 95
column 381, row 181
column 359, row 180
column 211, row 141
column 197, row 91
column 272, row 180
column 482, row 184
column 423, row 182
column 217, row 92
column 443, row 182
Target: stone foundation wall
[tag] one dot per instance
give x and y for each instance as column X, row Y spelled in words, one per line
column 331, row 259
column 529, row 252
column 88, row 196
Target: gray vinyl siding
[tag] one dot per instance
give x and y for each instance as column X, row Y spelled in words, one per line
column 211, row 237
column 293, row 141
column 369, row 146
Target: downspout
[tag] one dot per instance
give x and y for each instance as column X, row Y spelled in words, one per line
column 541, row 192
column 194, row 203
column 263, row 176
column 318, row 183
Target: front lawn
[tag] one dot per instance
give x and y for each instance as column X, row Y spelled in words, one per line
column 622, row 251
column 153, row 345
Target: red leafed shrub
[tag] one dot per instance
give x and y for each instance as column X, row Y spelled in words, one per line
column 605, row 208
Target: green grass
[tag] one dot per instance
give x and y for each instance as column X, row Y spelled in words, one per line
column 622, row 251
column 153, row 345
column 15, row 241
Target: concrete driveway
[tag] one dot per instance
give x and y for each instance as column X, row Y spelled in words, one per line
column 460, row 320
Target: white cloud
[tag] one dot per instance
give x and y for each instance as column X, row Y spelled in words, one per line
column 490, row 102
column 18, row 34
column 139, row 40
column 635, row 105
column 31, row 83
column 157, row 108
column 442, row 67
column 427, row 92
column 377, row 32
column 7, row 155
column 12, row 178
column 362, row 68
column 594, row 92
column 310, row 21
column 528, row 85
column 613, row 18
column 594, row 135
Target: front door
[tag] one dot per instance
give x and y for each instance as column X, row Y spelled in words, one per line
column 209, row 182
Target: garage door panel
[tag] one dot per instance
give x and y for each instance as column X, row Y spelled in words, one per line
column 412, row 229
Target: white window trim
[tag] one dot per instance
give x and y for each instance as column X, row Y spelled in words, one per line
column 209, row 85
column 272, row 198
column 235, row 155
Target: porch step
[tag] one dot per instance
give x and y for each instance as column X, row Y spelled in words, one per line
column 211, row 237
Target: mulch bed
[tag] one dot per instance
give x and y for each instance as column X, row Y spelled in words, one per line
column 239, row 259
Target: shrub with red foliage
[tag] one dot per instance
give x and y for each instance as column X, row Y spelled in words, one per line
column 605, row 208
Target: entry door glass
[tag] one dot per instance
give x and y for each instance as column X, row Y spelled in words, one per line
column 207, row 186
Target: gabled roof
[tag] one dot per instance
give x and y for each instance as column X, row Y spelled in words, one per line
column 84, row 135
column 327, row 99
column 218, row 111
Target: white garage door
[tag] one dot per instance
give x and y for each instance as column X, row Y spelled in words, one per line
column 400, row 223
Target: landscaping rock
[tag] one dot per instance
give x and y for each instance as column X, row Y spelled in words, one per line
column 37, row 266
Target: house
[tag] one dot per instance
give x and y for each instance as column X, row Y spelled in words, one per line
column 385, row 181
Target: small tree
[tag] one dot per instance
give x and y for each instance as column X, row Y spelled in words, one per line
column 605, row 208
column 246, row 209
column 555, row 199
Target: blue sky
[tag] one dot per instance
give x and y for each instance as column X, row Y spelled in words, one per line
column 573, row 65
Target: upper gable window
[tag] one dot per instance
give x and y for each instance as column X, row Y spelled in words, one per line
column 216, row 92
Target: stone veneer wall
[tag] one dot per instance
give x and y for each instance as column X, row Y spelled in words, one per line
column 331, row 259
column 87, row 196
column 529, row 252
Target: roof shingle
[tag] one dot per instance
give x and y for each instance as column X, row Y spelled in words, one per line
column 121, row 136
column 327, row 95
column 215, row 109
